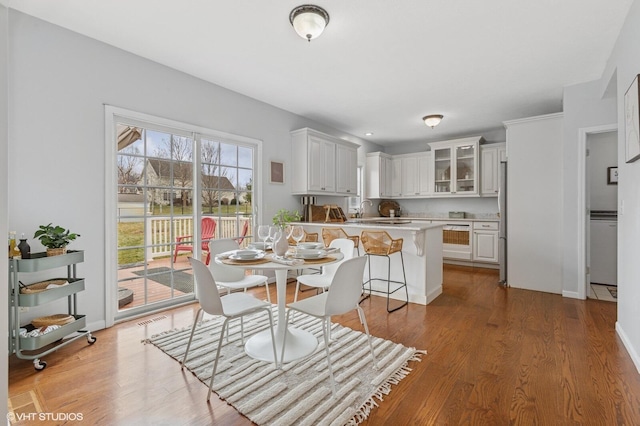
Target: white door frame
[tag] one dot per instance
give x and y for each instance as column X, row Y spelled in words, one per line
column 583, row 134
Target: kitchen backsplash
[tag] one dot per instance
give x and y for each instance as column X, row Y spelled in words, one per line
column 475, row 208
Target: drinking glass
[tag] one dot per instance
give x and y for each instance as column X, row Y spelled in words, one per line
column 272, row 233
column 263, row 233
column 297, row 233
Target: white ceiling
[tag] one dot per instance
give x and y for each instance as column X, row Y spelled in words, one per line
column 380, row 65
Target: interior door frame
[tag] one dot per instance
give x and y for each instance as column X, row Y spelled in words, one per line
column 583, row 232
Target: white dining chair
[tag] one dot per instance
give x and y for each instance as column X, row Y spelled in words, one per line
column 233, row 278
column 323, row 280
column 235, row 305
column 342, row 297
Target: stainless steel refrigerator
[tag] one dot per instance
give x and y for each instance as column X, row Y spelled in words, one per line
column 502, row 211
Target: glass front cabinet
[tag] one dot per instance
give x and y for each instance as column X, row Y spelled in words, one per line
column 455, row 166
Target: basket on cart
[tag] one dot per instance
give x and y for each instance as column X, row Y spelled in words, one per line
column 57, row 319
column 42, row 286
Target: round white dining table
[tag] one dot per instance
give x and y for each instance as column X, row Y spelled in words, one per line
column 300, row 343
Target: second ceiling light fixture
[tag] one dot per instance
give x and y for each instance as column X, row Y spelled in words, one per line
column 309, row 20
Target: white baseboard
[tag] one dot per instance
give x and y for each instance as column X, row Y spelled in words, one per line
column 571, row 294
column 628, row 346
column 433, row 294
column 96, row 325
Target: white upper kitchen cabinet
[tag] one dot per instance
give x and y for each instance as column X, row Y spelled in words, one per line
column 346, row 173
column 454, row 167
column 414, row 175
column 490, row 157
column 322, row 164
column 396, row 176
column 379, row 173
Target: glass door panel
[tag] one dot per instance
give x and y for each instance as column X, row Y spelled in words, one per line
column 442, row 169
column 465, row 168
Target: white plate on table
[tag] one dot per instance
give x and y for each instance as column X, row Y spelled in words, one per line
column 310, row 246
column 247, row 255
column 310, row 254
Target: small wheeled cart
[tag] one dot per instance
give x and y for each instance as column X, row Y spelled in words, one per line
column 31, row 344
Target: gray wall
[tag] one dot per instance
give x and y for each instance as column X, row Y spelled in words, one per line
column 625, row 60
column 595, row 104
column 59, row 84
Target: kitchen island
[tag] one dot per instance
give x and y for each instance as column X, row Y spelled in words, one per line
column 421, row 249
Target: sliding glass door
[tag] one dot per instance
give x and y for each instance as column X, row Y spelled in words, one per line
column 176, row 191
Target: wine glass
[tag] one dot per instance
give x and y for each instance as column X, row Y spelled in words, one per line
column 297, row 233
column 288, row 229
column 263, row 234
column 273, row 230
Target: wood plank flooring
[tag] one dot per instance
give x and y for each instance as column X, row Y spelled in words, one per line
column 496, row 356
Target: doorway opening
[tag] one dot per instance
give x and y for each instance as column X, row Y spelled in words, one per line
column 598, row 218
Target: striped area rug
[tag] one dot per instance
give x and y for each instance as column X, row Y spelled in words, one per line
column 300, row 393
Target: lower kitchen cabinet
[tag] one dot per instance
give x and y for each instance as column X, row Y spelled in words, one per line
column 485, row 242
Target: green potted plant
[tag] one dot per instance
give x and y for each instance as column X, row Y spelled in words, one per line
column 282, row 219
column 54, row 238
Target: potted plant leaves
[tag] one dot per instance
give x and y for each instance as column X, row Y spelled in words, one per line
column 55, row 238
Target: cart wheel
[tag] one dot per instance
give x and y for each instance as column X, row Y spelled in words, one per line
column 91, row 339
column 39, row 365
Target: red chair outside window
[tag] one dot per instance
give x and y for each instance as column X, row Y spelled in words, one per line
column 243, row 234
column 185, row 242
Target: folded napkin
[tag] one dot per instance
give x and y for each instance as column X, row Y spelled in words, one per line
column 285, row 261
column 225, row 255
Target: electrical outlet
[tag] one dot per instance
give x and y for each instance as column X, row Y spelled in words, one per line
column 24, row 309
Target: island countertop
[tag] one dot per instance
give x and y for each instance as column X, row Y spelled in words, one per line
column 378, row 223
column 421, row 251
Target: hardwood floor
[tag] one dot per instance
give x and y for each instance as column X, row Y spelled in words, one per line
column 495, row 356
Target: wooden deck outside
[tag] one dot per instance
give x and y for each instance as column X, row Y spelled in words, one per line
column 155, row 291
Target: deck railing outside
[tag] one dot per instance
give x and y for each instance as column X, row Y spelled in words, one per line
column 160, row 238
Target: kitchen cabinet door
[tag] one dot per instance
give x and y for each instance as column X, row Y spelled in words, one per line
column 485, row 241
column 379, row 173
column 415, row 175
column 485, row 246
column 387, row 173
column 425, row 180
column 322, row 166
column 490, row 157
column 396, row 179
column 346, row 179
column 318, row 167
column 409, row 177
column 455, row 167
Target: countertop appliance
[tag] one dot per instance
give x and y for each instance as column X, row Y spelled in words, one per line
column 603, row 257
column 502, row 212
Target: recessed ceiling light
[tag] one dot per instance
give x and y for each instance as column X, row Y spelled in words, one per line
column 369, row 134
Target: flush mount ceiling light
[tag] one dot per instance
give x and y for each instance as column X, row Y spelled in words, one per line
column 432, row 120
column 309, row 21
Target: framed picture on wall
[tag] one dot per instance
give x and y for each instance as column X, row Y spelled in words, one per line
column 612, row 175
column 632, row 122
column 277, row 172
